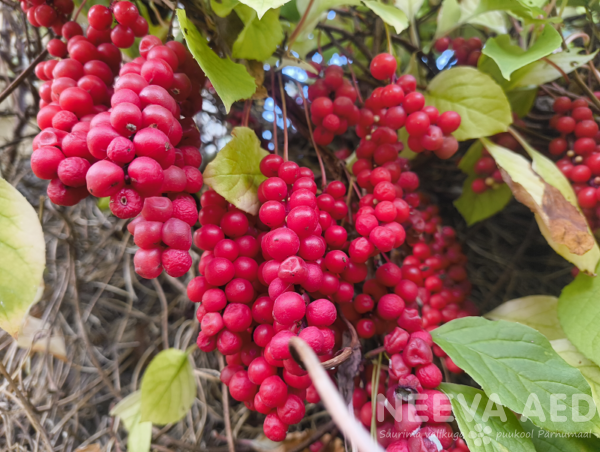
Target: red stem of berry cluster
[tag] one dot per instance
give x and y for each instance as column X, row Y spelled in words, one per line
column 285, row 126
column 276, row 147
column 76, row 15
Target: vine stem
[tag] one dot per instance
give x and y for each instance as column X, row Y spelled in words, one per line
column 225, row 392
column 165, row 312
column 586, row 89
column 79, row 9
column 274, row 111
column 29, row 408
column 23, row 75
column 285, row 127
column 312, row 138
column 331, row 398
column 298, row 28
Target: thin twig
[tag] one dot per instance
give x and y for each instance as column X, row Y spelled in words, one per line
column 79, row 10
column 274, row 111
column 285, row 126
column 298, row 28
column 225, row 393
column 327, row 428
column 331, row 398
column 23, row 75
column 587, row 89
column 29, row 408
column 165, row 312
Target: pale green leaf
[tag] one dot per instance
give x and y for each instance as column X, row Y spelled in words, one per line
column 262, row 6
column 389, row 14
column 22, row 257
column 223, row 8
column 476, row 207
column 579, row 314
column 140, row 433
column 317, row 12
column 467, row 162
column 230, row 80
column 522, row 100
column 510, row 57
column 235, row 171
column 518, row 364
column 573, row 357
column 168, row 388
column 481, row 103
column 560, row 222
column 539, row 312
column 494, row 20
column 448, row 18
column 496, row 433
column 551, row 442
column 410, row 7
column 260, row 37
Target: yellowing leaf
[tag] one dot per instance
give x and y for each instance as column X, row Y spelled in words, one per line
column 140, row 433
column 168, row 388
column 230, row 80
column 481, row 103
column 262, row 6
column 389, row 14
column 260, row 37
column 235, row 171
column 33, row 336
column 539, row 312
column 561, row 223
column 22, row 257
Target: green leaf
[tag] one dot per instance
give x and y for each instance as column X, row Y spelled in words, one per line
column 560, row 222
column 409, row 7
column 539, row 312
column 168, row 388
column 317, row 13
column 550, row 442
column 230, row 80
column 475, row 207
column 389, row 14
column 262, row 6
column 22, row 257
column 579, row 314
column 481, row 103
column 510, row 57
column 140, row 433
column 260, row 37
column 573, row 357
column 448, row 17
column 289, row 11
column 223, row 8
column 518, row 364
column 493, row 20
column 522, row 100
column 235, row 171
column 467, row 162
column 500, row 432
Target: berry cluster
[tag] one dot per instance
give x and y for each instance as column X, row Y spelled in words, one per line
column 488, row 172
column 397, row 105
column 163, row 232
column 579, row 147
column 466, row 51
column 332, row 117
column 50, row 14
column 130, row 24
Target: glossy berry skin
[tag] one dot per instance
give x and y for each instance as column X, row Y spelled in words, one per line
column 383, row 66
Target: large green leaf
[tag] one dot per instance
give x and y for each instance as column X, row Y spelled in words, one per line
column 448, row 16
column 475, row 207
column 140, row 433
column 539, row 312
column 498, row 432
column 560, row 222
column 510, row 57
column 262, row 6
column 389, row 14
column 223, row 8
column 230, row 80
column 522, row 100
column 260, row 37
column 410, row 7
column 496, row 21
column 579, row 314
column 551, row 442
column 235, row 171
column 518, row 364
column 22, row 257
column 481, row 103
column 168, row 388
column 573, row 357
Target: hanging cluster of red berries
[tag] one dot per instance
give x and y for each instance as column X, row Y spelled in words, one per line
column 124, row 131
column 579, row 149
column 466, row 51
column 332, row 117
column 50, row 14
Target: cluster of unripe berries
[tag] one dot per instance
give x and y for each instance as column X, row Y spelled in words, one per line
column 332, row 116
column 579, row 148
column 466, row 51
column 48, row 13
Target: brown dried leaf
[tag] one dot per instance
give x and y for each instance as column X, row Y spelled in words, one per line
column 256, row 70
column 566, row 225
column 95, row 447
column 34, row 336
